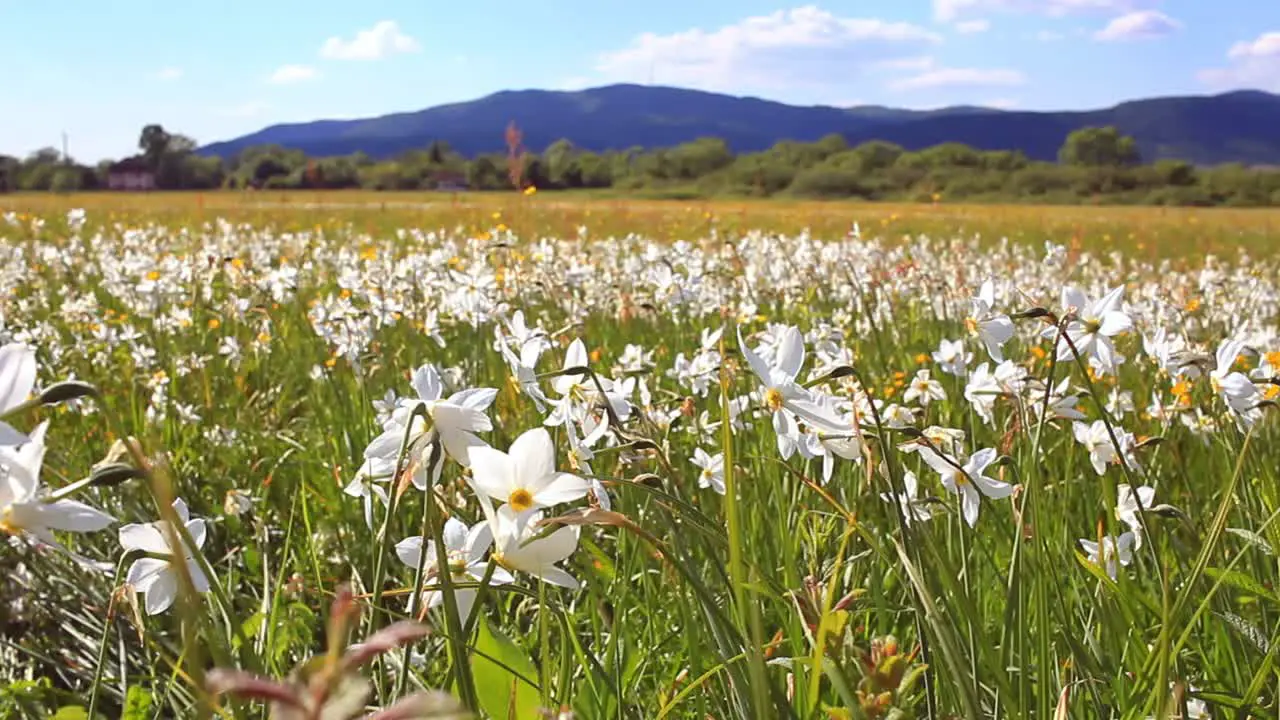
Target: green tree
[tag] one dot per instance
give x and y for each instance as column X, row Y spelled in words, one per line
column 154, row 141
column 1099, row 147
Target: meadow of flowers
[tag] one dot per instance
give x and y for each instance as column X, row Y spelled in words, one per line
column 328, row 472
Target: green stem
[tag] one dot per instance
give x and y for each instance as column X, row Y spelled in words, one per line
column 102, row 647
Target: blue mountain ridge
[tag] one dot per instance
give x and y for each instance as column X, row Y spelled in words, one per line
column 1241, row 126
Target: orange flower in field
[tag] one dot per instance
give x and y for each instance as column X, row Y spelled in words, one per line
column 530, row 190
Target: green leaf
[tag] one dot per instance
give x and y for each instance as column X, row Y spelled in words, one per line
column 137, row 704
column 1240, row 581
column 504, row 677
column 71, row 712
column 1253, row 539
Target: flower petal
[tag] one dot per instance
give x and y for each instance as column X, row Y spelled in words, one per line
column 145, row 538
column 17, row 375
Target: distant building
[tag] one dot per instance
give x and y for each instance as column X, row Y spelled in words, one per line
column 131, row 174
column 450, row 181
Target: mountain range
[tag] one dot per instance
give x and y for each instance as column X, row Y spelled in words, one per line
column 1242, row 126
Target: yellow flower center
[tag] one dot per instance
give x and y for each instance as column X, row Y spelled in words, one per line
column 1092, row 325
column 7, row 525
column 520, row 500
column 971, row 325
column 773, row 399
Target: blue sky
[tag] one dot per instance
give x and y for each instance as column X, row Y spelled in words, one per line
column 100, row 71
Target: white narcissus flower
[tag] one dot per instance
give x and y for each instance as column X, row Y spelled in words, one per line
column 786, row 398
column 17, row 378
column 1235, row 388
column 580, row 395
column 1130, row 504
column 952, row 358
column 992, row 328
column 465, row 548
column 519, row 544
column 154, row 575
column 712, row 469
column 1095, row 324
column 1062, row 402
column 367, row 484
column 913, row 508
column 1097, row 441
column 982, row 390
column 526, row 476
column 23, row 509
column 1112, row 553
column 455, row 420
column 969, row 480
column 523, row 366
column 924, row 388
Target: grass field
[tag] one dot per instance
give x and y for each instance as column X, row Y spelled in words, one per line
column 682, row 460
column 1139, row 231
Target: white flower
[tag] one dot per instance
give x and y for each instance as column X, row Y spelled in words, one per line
column 237, row 502
column 155, row 576
column 992, row 328
column 1095, row 324
column 712, row 466
column 1235, row 388
column 1131, row 503
column 1062, row 404
column 1113, row 552
column 982, row 390
column 924, row 388
column 519, row 544
column 580, row 396
column 784, row 397
column 1097, row 441
column 968, row 480
column 913, row 509
column 526, row 477
column 17, row 378
column 952, row 357
column 523, row 365
column 23, row 510
column 454, row 421
column 465, row 548
column 1119, row 402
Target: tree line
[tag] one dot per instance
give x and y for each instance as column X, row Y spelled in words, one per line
column 1098, row 165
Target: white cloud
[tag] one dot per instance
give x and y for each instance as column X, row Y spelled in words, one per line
column 1138, row 25
column 930, row 75
column 289, row 74
column 169, row 73
column 970, row 27
column 1002, row 103
column 1266, row 46
column 1251, row 64
column 379, row 41
column 952, row 10
column 804, row 46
